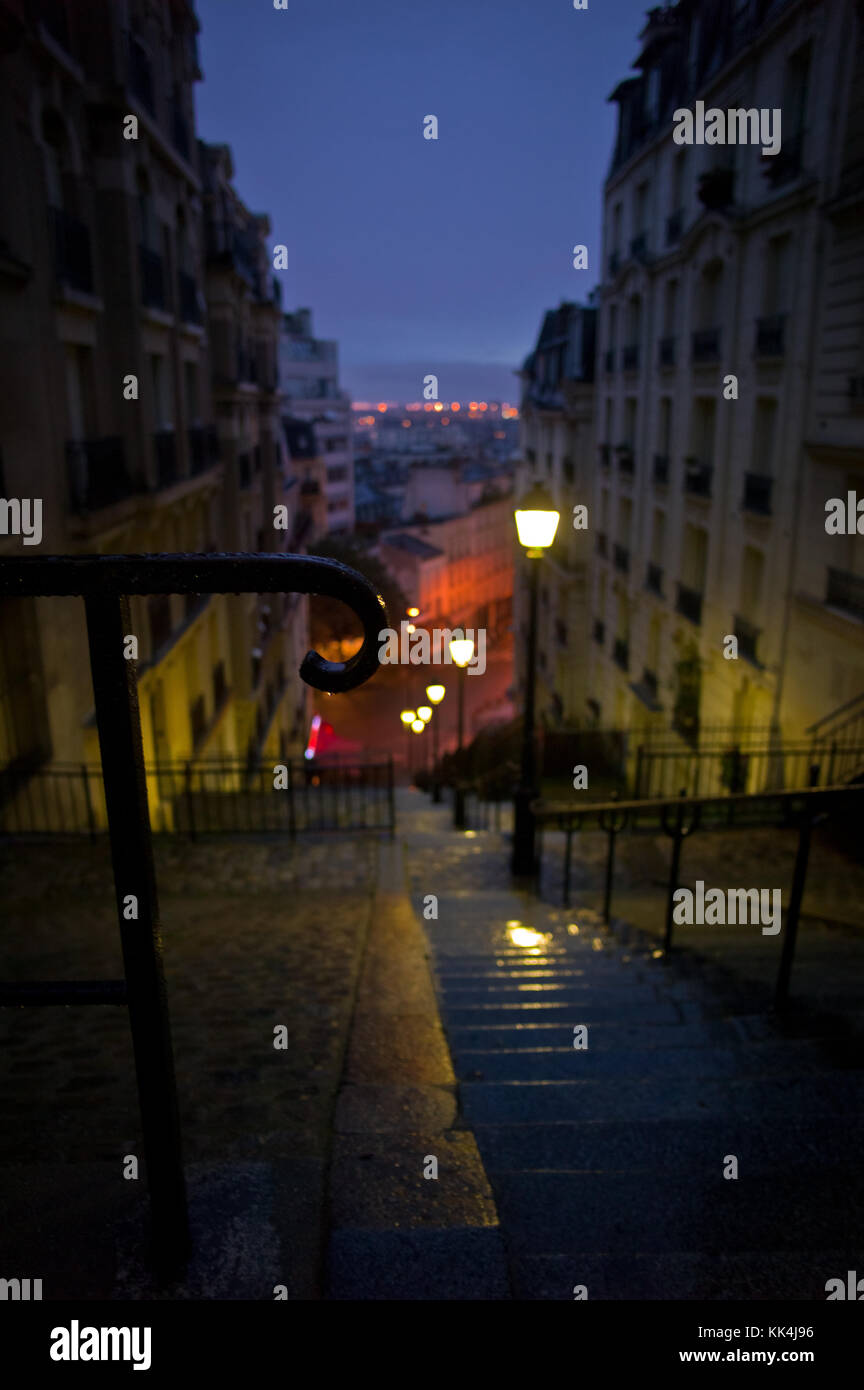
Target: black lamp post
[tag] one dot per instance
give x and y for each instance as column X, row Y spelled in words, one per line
column 536, row 523
column 461, row 650
column 435, row 694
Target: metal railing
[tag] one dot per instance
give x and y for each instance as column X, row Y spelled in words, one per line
column 732, row 768
column 105, row 582
column 680, row 817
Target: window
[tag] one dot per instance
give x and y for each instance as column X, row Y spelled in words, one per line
column 752, row 571
column 775, row 284
column 764, row 435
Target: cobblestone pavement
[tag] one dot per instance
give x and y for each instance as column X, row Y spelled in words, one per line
column 257, row 933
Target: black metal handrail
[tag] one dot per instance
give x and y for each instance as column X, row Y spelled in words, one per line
column 681, row 816
column 105, row 582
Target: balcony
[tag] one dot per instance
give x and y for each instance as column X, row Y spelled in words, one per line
column 152, row 271
column 599, row 632
column 697, row 477
column 706, row 345
column 605, row 455
column 609, row 360
column 621, row 654
column 689, row 604
column 165, row 449
column 660, row 470
column 73, row 263
column 602, row 546
column 770, row 336
column 622, row 558
column 639, row 247
column 630, row 357
column 674, row 227
column 98, row 474
column 141, row 75
column 187, row 298
column 667, row 352
column 845, row 591
column 757, row 493
column 747, row 636
column 654, row 579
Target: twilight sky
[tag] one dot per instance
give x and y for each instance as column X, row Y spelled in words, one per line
column 415, row 253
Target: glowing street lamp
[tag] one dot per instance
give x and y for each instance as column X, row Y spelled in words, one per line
column 424, row 713
column 461, row 652
column 435, row 694
column 537, row 520
column 408, row 716
column 413, row 612
column 418, row 726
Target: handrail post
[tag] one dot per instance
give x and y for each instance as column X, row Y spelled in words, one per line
column 799, row 878
column 679, row 834
column 115, row 691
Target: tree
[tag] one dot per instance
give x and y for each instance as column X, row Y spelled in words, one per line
column 332, row 621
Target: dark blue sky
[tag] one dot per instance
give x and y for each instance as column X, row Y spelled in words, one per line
column 412, row 251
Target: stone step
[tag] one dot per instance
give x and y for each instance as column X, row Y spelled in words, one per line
column 478, row 1015
column 789, row 1058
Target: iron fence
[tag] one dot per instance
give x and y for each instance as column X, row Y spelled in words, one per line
column 680, row 817
column 749, row 767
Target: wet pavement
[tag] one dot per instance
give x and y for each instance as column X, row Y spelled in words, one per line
column 607, row 1162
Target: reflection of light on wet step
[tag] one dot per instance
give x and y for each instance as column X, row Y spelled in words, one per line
column 527, row 937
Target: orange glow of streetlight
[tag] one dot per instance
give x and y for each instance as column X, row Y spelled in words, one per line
column 439, row 406
column 418, row 726
column 435, row 693
column 382, row 406
column 455, row 406
column 408, row 716
column 413, row 612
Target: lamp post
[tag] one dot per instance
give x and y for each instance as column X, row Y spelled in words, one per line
column 536, row 523
column 435, row 694
column 461, row 651
column 408, row 716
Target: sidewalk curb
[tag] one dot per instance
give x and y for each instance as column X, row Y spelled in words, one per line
column 395, row 1233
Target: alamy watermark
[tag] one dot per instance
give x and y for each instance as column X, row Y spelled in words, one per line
column 22, row 516
column 737, row 126
column 733, row 905
column 416, row 646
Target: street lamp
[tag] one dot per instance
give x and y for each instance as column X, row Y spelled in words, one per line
column 424, row 713
column 408, row 716
column 418, row 726
column 461, row 652
column 435, row 694
column 536, row 523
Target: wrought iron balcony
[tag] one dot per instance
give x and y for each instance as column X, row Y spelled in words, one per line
column 621, row 654
column 654, row 578
column 757, row 493
column 73, row 262
column 844, row 590
column 697, row 477
column 689, row 604
column 98, row 474
column 748, row 637
column 706, row 345
column 771, row 336
column 622, row 559
column 660, row 470
column 667, row 352
column 152, row 269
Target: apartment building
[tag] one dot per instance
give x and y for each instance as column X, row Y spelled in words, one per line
column 119, row 409
column 309, row 379
column 720, row 321
column 556, row 449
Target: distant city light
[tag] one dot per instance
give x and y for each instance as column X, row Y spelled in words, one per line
column 428, row 405
column 483, row 405
column 472, row 405
column 411, row 627
column 445, row 419
column 382, row 406
column 406, row 424
column 438, row 405
column 413, row 612
column 454, row 406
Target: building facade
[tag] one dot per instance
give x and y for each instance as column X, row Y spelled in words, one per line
column 727, row 336
column 556, row 436
column 309, row 380
column 127, row 407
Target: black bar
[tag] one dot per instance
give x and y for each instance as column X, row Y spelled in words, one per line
column 38, row 992
column 115, row 691
column 97, row 575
